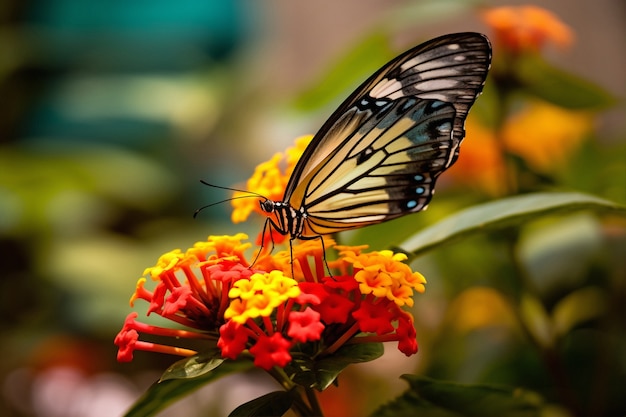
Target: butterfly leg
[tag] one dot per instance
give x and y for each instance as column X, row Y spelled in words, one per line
column 268, row 224
column 291, row 257
column 321, row 238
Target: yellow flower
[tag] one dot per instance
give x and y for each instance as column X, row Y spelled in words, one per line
column 268, row 180
column 545, row 134
column 294, row 153
column 246, row 289
column 526, row 28
column 480, row 307
column 221, row 246
column 260, row 295
column 139, row 287
column 166, row 262
column 281, row 287
column 383, row 274
column 261, row 305
column 236, row 311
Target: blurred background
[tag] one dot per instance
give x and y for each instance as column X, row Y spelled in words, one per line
column 111, row 113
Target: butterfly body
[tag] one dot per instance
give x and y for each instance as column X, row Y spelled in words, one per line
column 379, row 154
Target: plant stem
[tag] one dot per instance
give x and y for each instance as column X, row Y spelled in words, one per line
column 313, row 401
column 305, row 403
column 548, row 352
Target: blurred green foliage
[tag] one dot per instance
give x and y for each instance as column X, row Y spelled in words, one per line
column 108, row 110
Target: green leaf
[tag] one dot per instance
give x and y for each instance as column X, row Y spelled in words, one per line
column 504, row 213
column 447, row 399
column 319, row 374
column 161, row 394
column 272, row 404
column 556, row 254
column 345, row 74
column 584, row 304
column 193, row 366
column 540, row 79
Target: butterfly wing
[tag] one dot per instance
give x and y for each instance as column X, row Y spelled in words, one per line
column 379, row 154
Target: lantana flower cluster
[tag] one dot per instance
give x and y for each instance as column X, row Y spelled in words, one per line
column 261, row 311
column 269, row 308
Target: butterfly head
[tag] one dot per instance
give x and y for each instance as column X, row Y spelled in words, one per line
column 268, row 206
column 284, row 218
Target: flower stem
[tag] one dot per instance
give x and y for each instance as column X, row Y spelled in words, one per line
column 313, row 401
column 305, row 402
column 548, row 351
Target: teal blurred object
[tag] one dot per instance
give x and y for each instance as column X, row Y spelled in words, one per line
column 103, row 102
column 138, row 35
column 70, row 46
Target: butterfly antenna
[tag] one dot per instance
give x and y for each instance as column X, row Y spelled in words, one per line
column 251, row 194
column 221, row 187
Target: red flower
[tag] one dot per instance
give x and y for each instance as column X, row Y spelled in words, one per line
column 305, row 325
column 233, row 339
column 335, row 308
column 270, row 351
column 407, row 343
column 374, row 317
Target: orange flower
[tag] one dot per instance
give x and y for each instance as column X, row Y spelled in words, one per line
column 544, row 134
column 480, row 161
column 480, row 307
column 526, row 28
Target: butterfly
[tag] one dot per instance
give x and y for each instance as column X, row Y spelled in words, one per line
column 380, row 153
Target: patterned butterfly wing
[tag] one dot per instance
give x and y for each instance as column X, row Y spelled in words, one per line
column 379, row 154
